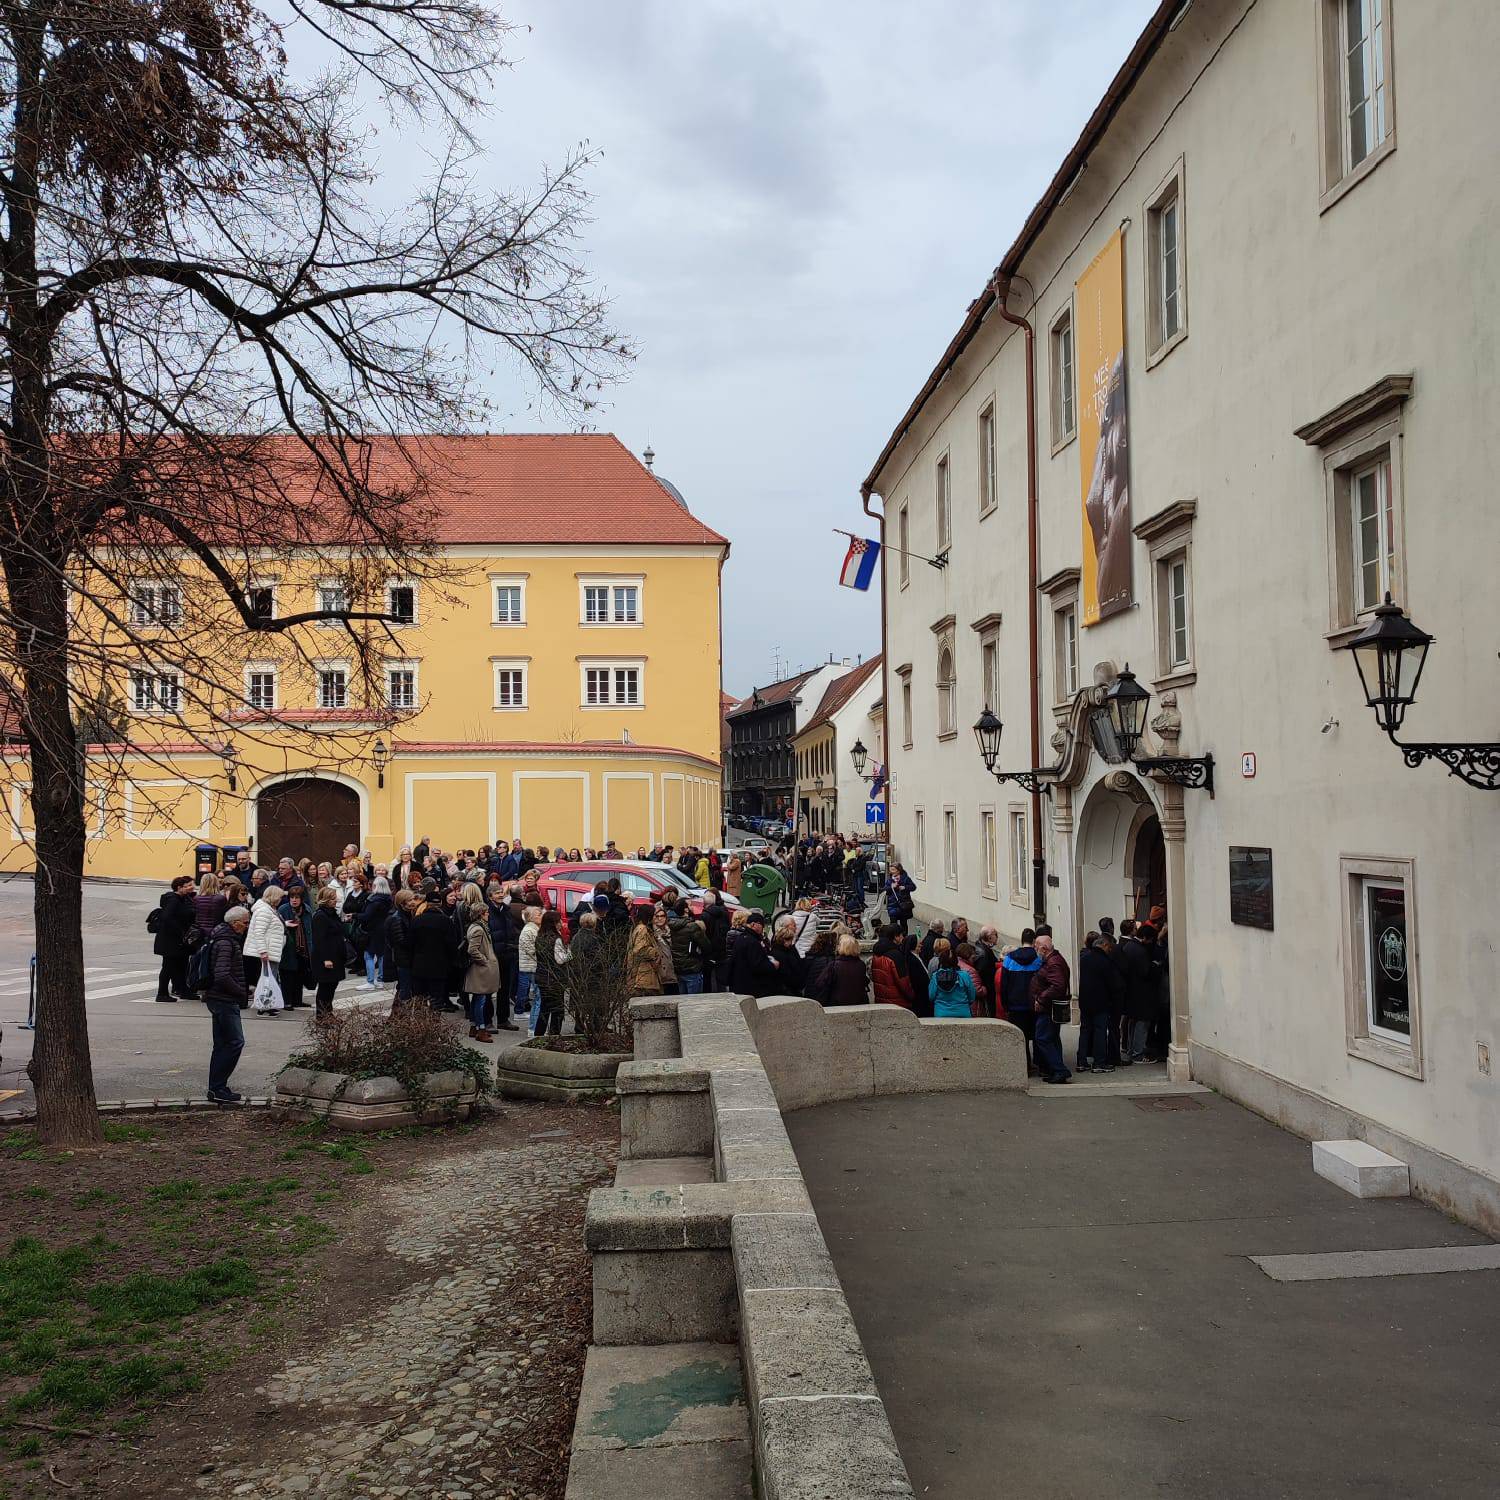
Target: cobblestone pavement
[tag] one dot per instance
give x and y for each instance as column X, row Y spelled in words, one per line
column 441, row 1392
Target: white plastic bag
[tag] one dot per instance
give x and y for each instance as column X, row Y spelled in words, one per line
column 267, row 995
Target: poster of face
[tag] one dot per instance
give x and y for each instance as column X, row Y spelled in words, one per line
column 1104, row 434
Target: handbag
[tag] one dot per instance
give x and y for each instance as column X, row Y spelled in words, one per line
column 267, row 995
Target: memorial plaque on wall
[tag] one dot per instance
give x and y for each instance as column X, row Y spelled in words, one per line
column 1251, row 893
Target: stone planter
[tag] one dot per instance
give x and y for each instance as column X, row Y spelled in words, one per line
column 372, row 1103
column 531, row 1072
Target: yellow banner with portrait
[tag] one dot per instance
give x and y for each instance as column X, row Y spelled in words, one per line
column 1103, row 434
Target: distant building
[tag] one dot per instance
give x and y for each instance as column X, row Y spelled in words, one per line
column 831, row 795
column 761, row 727
column 1263, row 377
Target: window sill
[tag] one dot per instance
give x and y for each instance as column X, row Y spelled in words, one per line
column 1344, row 634
column 619, row 708
column 1357, row 175
column 611, row 624
column 989, row 510
column 1161, row 351
column 507, row 624
column 988, row 893
column 1178, row 677
column 1385, row 1054
column 1064, row 441
column 510, row 708
column 952, row 734
column 907, row 744
column 1021, row 899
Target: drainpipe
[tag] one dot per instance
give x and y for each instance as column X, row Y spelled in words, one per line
column 885, row 667
column 1001, row 285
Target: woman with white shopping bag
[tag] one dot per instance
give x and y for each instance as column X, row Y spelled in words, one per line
column 327, row 947
column 264, row 940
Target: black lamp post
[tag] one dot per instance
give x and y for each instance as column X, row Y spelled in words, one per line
column 858, row 754
column 380, row 758
column 231, row 764
column 1389, row 654
column 987, row 731
column 1126, row 702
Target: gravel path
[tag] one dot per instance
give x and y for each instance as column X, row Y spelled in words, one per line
column 464, row 1385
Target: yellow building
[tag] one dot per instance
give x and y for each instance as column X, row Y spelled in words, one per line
column 560, row 684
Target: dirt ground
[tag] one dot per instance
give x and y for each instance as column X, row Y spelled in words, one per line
column 216, row 1250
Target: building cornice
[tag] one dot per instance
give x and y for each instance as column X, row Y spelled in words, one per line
column 1389, row 392
column 990, row 621
column 1173, row 518
column 1060, row 581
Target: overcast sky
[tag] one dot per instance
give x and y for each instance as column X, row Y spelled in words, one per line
column 795, row 204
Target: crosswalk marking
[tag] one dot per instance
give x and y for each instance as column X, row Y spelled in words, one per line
column 138, row 986
column 21, row 987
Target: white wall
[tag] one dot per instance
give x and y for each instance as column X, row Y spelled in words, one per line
column 1291, row 310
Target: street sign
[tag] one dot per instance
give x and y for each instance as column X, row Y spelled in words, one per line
column 874, row 812
column 1247, row 764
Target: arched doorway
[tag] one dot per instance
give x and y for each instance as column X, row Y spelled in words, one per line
column 1121, row 857
column 1148, row 868
column 305, row 815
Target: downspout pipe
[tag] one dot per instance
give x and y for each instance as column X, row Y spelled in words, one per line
column 1000, row 285
column 878, row 516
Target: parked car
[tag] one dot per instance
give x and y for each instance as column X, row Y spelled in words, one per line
column 565, row 887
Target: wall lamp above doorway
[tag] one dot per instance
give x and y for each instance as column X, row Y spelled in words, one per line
column 987, row 731
column 380, row 758
column 231, row 765
column 1389, row 654
column 1126, row 702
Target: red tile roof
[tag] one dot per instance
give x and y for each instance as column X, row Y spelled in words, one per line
column 775, row 692
column 841, row 690
column 526, row 487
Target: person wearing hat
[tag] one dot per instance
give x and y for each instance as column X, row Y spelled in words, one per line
column 226, row 993
column 749, row 968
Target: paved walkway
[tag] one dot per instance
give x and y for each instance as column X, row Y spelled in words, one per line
column 1057, row 1300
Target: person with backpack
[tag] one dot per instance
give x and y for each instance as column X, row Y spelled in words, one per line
column 171, row 924
column 224, row 993
column 950, row 988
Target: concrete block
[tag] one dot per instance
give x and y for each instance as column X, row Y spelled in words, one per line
column 744, row 1161
column 851, row 1074
column 664, row 1297
column 801, row 1343
column 840, row 1448
column 742, row 1088
column 1360, row 1169
column 702, row 1471
column 967, row 1055
column 779, row 1251
column 664, row 1171
column 634, row 1218
column 660, row 1396
column 654, row 1008
column 663, row 1075
column 666, row 1124
column 709, row 1209
column 792, row 1041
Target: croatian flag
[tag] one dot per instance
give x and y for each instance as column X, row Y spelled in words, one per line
column 859, row 563
column 877, row 781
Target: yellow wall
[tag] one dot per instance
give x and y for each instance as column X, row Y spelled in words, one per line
column 463, row 770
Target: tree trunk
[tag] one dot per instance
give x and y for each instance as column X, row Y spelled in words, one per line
column 61, row 1070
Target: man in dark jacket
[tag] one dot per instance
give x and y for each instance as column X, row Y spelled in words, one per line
column 749, row 969
column 986, row 962
column 225, row 994
column 715, row 921
column 1138, row 967
column 689, row 947
column 1101, row 995
column 1050, row 986
column 1016, row 970
column 175, row 920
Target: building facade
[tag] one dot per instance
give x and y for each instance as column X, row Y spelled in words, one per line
column 831, row 793
column 1256, row 309
column 541, row 691
column 761, row 729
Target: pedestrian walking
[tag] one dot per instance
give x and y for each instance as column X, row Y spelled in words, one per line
column 173, row 928
column 225, row 997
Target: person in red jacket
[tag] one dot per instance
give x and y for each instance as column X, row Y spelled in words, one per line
column 888, row 971
column 1050, row 985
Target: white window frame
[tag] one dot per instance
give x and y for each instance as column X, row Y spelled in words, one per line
column 510, row 664
column 989, row 853
column 919, row 841
column 615, row 584
column 1337, row 172
column 904, row 675
column 392, row 584
column 903, row 538
column 613, row 665
column 328, row 586
column 146, row 597
column 1177, row 624
column 989, row 458
column 1018, row 837
column 1364, row 1040
column 263, row 669
column 989, row 668
column 946, row 687
column 152, row 677
column 950, row 846
column 334, row 665
column 1064, row 378
column 942, row 501
column 1377, row 468
column 500, row 581
column 1170, row 194
column 1169, row 539
column 391, row 667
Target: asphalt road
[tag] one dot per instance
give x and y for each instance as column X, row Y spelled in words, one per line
column 140, row 1050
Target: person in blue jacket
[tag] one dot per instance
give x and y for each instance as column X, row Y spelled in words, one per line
column 952, row 993
column 1016, row 968
column 898, row 892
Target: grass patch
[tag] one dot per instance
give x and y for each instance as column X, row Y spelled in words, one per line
column 177, row 1190
column 117, row 1133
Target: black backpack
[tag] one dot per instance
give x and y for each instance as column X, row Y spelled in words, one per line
column 200, row 972
column 153, row 919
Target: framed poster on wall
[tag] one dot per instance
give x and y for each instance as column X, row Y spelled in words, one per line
column 1251, row 889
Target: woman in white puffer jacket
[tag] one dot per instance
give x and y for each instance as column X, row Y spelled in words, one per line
column 265, row 936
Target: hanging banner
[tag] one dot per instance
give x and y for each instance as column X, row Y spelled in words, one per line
column 1103, row 433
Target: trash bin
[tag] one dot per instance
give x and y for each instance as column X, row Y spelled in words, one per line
column 231, row 852
column 205, row 859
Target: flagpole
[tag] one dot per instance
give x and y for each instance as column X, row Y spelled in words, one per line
column 932, row 562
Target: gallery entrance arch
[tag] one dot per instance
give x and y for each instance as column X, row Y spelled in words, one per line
column 1121, row 860
column 305, row 815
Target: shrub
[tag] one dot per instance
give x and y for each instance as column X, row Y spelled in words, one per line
column 599, row 988
column 406, row 1046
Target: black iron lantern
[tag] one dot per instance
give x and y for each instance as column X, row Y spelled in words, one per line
column 231, row 764
column 1389, row 654
column 1126, row 701
column 987, row 730
column 858, row 754
column 380, row 758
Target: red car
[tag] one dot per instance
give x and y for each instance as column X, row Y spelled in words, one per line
column 565, row 887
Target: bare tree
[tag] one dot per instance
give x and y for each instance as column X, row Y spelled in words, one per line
column 205, row 322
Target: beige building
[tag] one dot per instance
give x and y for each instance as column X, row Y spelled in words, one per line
column 1306, row 298
column 831, row 793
